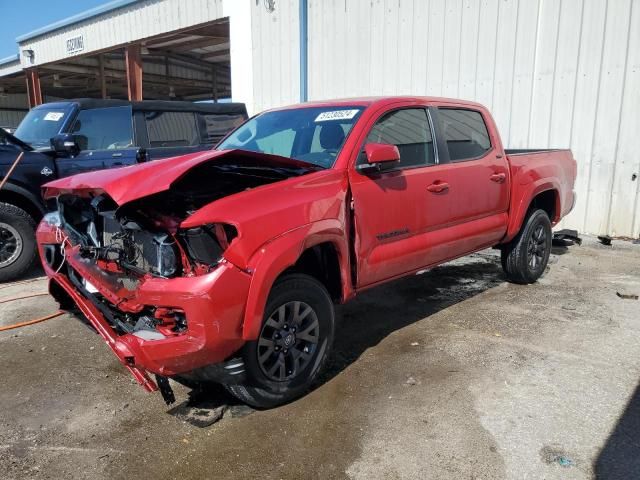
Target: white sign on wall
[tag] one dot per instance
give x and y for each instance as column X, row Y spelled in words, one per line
column 75, row 44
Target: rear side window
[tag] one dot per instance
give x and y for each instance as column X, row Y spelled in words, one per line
column 103, row 128
column 172, row 129
column 408, row 130
column 213, row 127
column 465, row 133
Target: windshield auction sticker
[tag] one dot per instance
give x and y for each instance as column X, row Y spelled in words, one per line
column 53, row 116
column 336, row 115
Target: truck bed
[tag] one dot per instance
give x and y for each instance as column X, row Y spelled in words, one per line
column 527, row 151
column 537, row 170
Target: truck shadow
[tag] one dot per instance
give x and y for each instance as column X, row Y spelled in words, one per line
column 620, row 456
column 373, row 315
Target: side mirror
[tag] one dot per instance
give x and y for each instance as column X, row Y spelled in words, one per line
column 65, row 144
column 379, row 155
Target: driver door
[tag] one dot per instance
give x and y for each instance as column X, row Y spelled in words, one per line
column 105, row 138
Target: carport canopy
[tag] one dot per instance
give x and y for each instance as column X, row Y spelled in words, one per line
column 189, row 64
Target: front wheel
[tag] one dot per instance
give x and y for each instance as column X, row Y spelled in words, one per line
column 295, row 339
column 525, row 257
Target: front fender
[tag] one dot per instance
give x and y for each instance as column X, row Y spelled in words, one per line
column 275, row 256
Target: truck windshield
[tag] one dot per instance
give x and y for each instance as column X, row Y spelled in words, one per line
column 41, row 124
column 311, row 134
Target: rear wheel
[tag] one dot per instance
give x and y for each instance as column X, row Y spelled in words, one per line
column 17, row 242
column 295, row 338
column 525, row 258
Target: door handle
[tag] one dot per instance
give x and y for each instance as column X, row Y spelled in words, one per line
column 438, row 187
column 116, row 155
column 498, row 177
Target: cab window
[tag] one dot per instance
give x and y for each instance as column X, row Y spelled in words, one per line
column 103, row 128
column 465, row 133
column 409, row 130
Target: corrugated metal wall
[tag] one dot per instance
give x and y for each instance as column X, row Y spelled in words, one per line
column 13, row 108
column 276, row 72
column 555, row 73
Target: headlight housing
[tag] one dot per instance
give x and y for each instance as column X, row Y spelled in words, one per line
column 207, row 243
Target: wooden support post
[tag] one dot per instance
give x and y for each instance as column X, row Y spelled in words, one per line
column 103, row 80
column 133, row 59
column 34, row 93
column 214, row 81
column 166, row 76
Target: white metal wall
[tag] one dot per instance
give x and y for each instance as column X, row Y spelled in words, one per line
column 276, row 50
column 555, row 73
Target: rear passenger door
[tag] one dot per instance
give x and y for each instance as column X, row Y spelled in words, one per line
column 478, row 178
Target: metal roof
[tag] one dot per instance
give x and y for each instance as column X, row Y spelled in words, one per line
column 94, row 12
column 10, row 59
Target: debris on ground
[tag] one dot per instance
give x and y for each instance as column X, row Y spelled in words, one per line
column 567, row 235
column 627, row 296
column 196, row 416
column 414, row 344
column 551, row 455
column 411, row 381
column 605, row 239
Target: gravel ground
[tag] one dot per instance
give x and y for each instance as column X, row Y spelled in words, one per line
column 452, row 374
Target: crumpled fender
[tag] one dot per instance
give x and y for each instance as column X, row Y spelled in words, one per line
column 277, row 255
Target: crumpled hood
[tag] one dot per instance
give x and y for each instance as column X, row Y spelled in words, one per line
column 126, row 184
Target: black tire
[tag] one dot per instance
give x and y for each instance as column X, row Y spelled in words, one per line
column 18, row 226
column 525, row 258
column 304, row 359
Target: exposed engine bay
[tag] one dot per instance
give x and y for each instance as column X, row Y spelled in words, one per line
column 143, row 237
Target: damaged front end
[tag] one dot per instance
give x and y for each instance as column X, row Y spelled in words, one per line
column 163, row 297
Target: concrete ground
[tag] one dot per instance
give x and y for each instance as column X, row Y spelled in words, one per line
column 452, row 374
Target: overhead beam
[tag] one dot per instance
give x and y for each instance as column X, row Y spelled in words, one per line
column 133, row 61
column 223, row 76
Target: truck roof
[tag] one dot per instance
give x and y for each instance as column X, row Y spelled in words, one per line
column 377, row 100
column 154, row 105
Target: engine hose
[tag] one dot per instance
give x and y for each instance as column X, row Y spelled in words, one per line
column 28, row 322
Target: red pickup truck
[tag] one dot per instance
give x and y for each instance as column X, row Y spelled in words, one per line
column 224, row 266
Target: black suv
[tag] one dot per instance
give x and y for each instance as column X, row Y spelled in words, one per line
column 64, row 138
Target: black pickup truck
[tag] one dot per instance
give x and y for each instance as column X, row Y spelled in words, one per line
column 64, row 138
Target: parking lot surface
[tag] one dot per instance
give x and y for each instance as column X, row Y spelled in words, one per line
column 451, row 374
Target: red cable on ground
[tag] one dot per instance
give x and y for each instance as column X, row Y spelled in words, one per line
column 31, row 322
column 28, row 322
